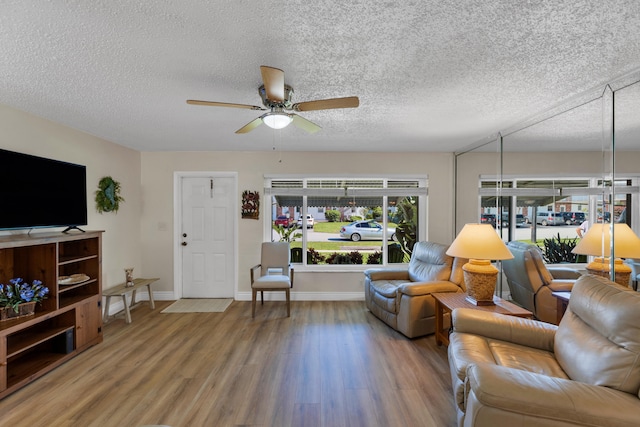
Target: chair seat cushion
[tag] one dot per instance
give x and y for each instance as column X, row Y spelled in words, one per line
column 273, row 281
column 387, row 288
column 468, row 349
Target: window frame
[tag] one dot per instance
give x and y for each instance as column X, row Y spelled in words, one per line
column 592, row 192
column 300, row 187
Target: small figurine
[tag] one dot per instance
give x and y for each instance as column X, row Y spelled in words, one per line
column 129, row 276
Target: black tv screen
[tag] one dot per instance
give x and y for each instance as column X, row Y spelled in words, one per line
column 37, row 192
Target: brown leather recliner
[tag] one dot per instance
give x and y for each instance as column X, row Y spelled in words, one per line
column 401, row 297
column 531, row 282
column 509, row 371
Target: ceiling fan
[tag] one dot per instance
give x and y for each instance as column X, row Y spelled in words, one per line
column 276, row 97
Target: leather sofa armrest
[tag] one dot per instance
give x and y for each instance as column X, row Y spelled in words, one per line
column 559, row 285
column 532, row 395
column 564, row 273
column 527, row 332
column 425, row 288
column 387, row 274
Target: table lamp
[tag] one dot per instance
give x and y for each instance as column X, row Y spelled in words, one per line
column 480, row 244
column 597, row 242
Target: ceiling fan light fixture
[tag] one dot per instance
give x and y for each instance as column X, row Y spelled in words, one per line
column 276, row 97
column 277, row 120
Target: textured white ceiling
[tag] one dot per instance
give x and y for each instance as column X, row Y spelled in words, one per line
column 431, row 75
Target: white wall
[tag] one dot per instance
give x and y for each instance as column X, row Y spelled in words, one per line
column 29, row 134
column 157, row 213
column 140, row 235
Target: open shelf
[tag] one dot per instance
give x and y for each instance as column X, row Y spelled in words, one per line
column 25, row 367
column 71, row 259
column 26, row 341
column 66, row 288
column 68, row 321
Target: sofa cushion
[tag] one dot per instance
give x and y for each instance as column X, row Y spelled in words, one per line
column 387, row 288
column 429, row 262
column 498, row 396
column 598, row 339
column 467, row 349
column 385, row 295
column 457, row 274
column 536, row 255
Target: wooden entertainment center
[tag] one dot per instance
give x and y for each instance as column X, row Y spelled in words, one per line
column 69, row 321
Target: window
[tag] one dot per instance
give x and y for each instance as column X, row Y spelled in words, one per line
column 348, row 221
column 554, row 207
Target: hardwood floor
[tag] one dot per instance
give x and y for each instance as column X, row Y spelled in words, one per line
column 330, row 364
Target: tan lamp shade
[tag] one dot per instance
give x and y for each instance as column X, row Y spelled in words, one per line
column 480, row 244
column 597, row 242
column 479, row 241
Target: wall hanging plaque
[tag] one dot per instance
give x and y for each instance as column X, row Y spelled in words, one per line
column 251, row 204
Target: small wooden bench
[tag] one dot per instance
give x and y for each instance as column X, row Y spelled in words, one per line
column 122, row 290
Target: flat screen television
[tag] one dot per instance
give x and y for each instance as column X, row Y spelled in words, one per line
column 36, row 192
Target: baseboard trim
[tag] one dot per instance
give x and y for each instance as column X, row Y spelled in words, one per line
column 117, row 306
column 306, row 296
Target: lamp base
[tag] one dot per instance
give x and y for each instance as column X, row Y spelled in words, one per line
column 481, row 302
column 480, row 280
column 602, row 267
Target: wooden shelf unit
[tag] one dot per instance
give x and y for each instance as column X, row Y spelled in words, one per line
column 68, row 322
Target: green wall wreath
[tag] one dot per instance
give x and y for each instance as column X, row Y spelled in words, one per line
column 108, row 195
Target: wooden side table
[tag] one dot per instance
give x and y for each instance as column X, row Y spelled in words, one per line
column 448, row 301
column 122, row 290
column 562, row 299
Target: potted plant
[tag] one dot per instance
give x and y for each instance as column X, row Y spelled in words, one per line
column 19, row 298
column 290, row 234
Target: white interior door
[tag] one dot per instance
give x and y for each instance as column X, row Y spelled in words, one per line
column 208, row 223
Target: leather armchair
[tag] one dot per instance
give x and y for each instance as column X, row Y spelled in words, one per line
column 635, row 271
column 401, row 297
column 531, row 282
column 584, row 372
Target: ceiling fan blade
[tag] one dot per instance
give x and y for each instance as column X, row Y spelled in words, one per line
column 250, row 126
column 223, row 104
column 273, row 79
column 305, row 124
column 327, row 104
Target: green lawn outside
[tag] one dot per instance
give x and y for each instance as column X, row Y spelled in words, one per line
column 335, row 246
column 329, row 227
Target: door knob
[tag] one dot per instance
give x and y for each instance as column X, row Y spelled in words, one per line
column 184, row 243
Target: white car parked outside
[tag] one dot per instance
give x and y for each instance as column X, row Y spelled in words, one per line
column 366, row 230
column 310, row 221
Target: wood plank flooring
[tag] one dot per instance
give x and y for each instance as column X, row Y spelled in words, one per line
column 330, row 364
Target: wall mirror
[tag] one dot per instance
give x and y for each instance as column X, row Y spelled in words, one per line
column 576, row 161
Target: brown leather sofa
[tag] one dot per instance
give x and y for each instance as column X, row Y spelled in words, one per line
column 401, row 297
column 508, row 371
column 531, row 282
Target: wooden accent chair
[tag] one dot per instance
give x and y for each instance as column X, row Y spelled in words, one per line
column 276, row 273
